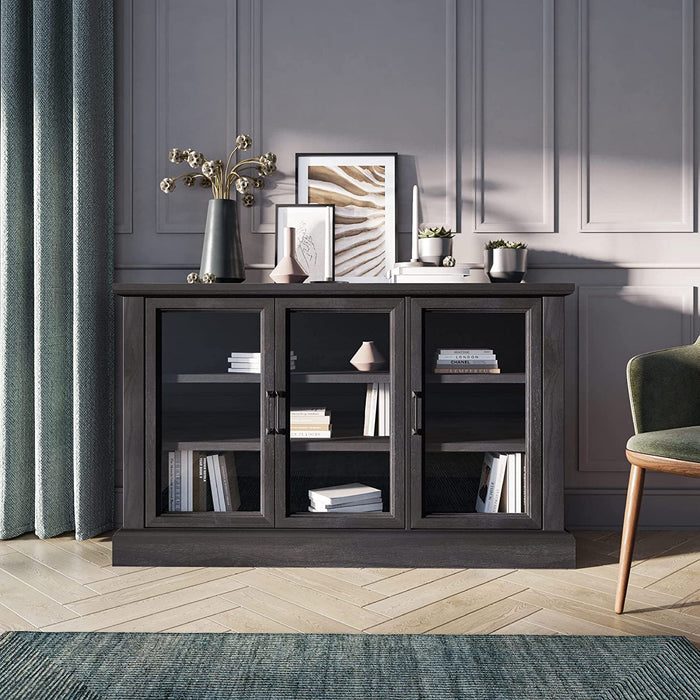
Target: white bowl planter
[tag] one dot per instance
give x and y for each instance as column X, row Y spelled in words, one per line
column 505, row 264
column 432, row 250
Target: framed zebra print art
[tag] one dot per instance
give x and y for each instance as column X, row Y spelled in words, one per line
column 362, row 187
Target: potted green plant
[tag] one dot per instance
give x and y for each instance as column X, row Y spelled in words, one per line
column 505, row 261
column 434, row 244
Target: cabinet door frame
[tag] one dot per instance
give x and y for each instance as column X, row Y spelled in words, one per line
column 532, row 518
column 395, row 517
column 209, row 519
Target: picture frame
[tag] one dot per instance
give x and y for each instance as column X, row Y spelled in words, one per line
column 362, row 187
column 314, row 239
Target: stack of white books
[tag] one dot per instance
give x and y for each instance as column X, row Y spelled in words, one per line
column 347, row 498
column 501, row 484
column 244, row 362
column 249, row 362
column 466, row 361
column 309, row 423
column 377, row 409
column 430, row 273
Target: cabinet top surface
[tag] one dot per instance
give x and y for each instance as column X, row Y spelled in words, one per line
column 340, row 289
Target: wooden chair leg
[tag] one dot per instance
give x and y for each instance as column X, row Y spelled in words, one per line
column 629, row 532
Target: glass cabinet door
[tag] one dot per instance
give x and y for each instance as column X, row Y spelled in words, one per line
column 339, row 435
column 475, row 428
column 208, row 384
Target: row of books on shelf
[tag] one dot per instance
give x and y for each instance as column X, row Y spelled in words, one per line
column 346, row 498
column 310, row 423
column 466, row 361
column 200, row 482
column 250, row 362
column 377, row 409
column 501, row 483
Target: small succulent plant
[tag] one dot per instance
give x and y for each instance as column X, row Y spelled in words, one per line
column 500, row 243
column 448, row 261
column 436, row 232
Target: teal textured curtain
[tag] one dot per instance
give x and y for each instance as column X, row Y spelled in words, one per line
column 56, row 262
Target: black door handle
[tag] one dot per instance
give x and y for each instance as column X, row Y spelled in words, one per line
column 415, row 423
column 271, row 429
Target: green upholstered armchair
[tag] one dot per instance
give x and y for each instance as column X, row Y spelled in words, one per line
column 664, row 390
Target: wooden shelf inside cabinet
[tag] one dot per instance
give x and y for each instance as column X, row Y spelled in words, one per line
column 505, row 445
column 504, row 378
column 223, row 378
column 340, row 377
column 498, row 432
column 251, row 445
column 341, row 443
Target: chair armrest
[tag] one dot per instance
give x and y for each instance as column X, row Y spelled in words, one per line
column 664, row 388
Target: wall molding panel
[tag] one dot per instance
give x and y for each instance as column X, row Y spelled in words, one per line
column 616, row 323
column 256, row 107
column 124, row 136
column 483, row 222
column 452, row 165
column 166, row 88
column 685, row 221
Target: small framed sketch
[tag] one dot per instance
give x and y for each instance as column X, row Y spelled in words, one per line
column 362, row 186
column 314, row 242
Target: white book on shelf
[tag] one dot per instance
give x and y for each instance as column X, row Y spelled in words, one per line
column 229, row 482
column 244, row 370
column 310, row 434
column 345, row 493
column 465, row 351
column 183, row 480
column 216, row 495
column 355, row 508
column 387, row 408
column 296, row 419
column 507, row 502
column 491, row 483
column 178, row 482
column 371, row 400
column 453, row 279
column 519, row 458
column 171, row 482
column 433, row 270
column 309, row 412
column 243, row 355
column 466, row 356
column 190, row 480
column 466, row 363
column 371, row 500
column 381, row 416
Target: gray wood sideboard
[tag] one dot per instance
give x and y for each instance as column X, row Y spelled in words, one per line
column 230, row 393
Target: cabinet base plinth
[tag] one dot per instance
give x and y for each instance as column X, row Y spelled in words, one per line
column 344, row 548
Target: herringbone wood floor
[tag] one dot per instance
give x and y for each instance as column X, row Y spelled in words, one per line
column 61, row 584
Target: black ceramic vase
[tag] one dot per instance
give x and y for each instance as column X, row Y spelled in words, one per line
column 222, row 254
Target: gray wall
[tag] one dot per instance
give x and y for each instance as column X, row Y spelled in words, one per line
column 569, row 124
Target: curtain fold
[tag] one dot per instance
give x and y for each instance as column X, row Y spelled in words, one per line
column 56, row 262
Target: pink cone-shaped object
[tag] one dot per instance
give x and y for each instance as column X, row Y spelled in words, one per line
column 367, row 358
column 288, row 269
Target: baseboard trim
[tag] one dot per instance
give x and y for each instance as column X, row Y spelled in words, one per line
column 344, row 548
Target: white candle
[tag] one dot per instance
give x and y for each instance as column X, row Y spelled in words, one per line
column 328, row 264
column 414, row 226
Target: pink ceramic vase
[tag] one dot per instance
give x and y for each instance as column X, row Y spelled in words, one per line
column 288, row 269
column 367, row 358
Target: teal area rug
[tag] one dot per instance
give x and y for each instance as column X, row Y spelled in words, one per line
column 96, row 666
